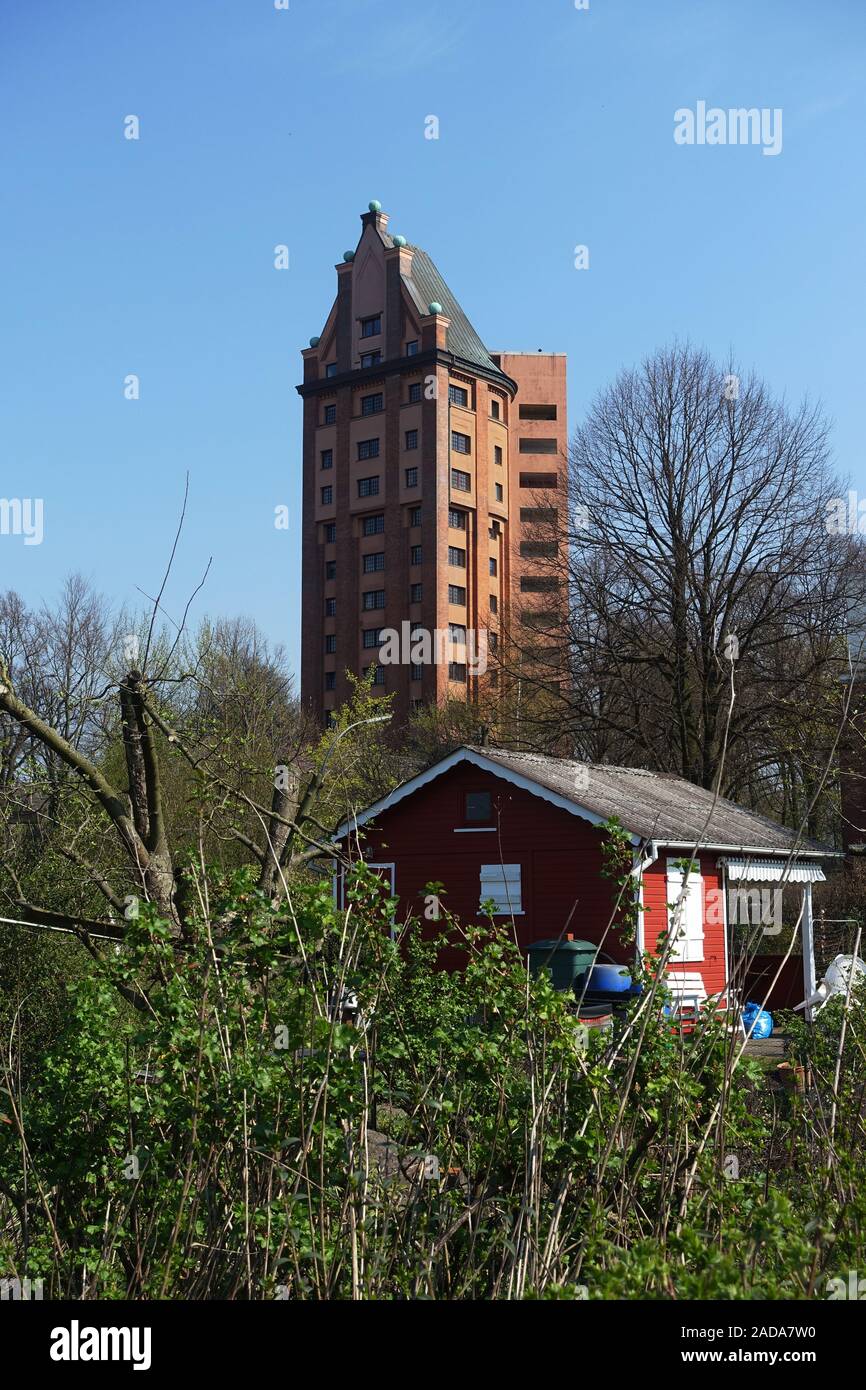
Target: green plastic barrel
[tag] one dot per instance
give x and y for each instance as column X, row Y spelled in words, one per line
column 565, row 960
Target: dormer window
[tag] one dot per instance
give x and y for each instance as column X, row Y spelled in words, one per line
column 371, row 327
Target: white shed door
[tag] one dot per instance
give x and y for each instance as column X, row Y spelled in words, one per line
column 685, row 897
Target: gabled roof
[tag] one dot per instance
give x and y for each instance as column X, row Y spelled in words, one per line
column 426, row 285
column 651, row 806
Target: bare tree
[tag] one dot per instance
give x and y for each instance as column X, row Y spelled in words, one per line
column 697, row 535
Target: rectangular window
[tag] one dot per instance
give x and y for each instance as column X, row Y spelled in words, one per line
column 457, row 671
column 371, row 405
column 539, row 480
column 456, row 519
column 414, row 555
column 457, row 633
column 372, row 636
column 415, row 516
column 415, row 591
column 457, row 557
column 537, row 550
column 330, row 607
column 494, row 604
column 330, row 533
column 492, row 563
column 537, row 412
column 373, row 598
column 538, row 584
column 412, row 348
column 378, row 674
column 372, row 563
column 371, row 326
column 685, row 899
column 460, row 481
column 411, row 477
column 501, row 883
column 327, row 459
column 417, row 672
column 327, row 496
column 497, row 454
column 411, row 439
column 370, row 359
column 331, row 643
column 330, row 569
column 478, row 807
column 493, row 639
column 495, row 408
column 461, row 443
column 330, row 680
column 534, row 515
column 368, row 487
column 456, row 594
column 538, row 446
column 374, row 525
column 457, row 395
column 330, row 415
column 331, row 369
column 368, row 448
column 498, row 493
column 414, row 392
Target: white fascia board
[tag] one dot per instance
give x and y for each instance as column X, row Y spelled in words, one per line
column 468, row 755
column 762, row 851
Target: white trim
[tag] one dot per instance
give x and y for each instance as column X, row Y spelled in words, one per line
column 772, row 871
column 808, row 951
column 468, row 755
column 724, row 887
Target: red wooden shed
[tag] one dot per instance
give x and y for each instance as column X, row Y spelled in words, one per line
column 526, row 830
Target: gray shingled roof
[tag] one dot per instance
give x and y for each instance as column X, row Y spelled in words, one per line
column 426, row 286
column 654, row 805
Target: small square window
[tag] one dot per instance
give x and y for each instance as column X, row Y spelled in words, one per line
column 368, row 487
column 460, row 481
column 478, row 807
column 370, row 359
column 372, row 563
column 414, row 392
column 456, row 519
column 371, row 405
column 374, row 525
column 458, row 396
column 412, row 348
column 330, row 414
column 461, row 443
column 331, row 369
column 372, row 326
column 457, row 557
column 411, row 439
column 368, row 448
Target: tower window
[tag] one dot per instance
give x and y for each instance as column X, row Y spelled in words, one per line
column 372, row 326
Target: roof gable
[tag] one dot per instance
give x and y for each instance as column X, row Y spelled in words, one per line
column 651, row 806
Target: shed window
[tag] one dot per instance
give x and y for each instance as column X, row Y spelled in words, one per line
column 501, row 883
column 685, row 898
column 479, row 805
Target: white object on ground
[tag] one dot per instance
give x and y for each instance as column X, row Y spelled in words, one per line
column 836, row 981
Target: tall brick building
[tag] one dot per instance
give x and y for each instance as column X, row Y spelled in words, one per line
column 426, row 460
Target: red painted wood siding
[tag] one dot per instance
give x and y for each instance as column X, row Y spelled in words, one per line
column 656, row 896
column 559, row 855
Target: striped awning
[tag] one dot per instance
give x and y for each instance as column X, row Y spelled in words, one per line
column 772, row 871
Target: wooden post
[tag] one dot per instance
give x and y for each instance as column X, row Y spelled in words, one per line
column 808, row 950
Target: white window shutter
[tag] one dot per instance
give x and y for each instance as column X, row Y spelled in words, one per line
column 501, row 882
column 685, row 912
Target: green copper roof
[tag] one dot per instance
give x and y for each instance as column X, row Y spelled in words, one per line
column 427, row 287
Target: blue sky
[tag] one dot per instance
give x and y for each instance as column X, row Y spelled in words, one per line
column 260, row 127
